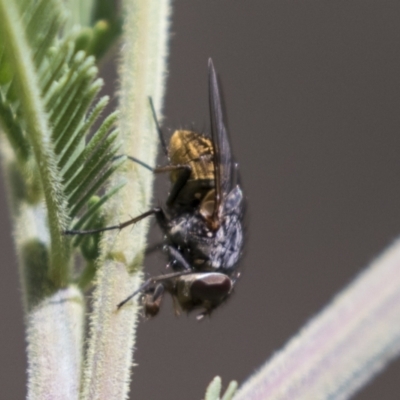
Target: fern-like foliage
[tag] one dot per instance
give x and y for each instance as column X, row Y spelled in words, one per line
column 61, row 166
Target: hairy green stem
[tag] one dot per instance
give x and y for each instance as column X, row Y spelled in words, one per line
column 55, row 311
column 344, row 346
column 54, row 328
column 142, row 74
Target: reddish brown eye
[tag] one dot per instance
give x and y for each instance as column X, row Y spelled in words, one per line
column 211, row 287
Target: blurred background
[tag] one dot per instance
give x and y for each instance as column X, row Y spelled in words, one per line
column 312, row 94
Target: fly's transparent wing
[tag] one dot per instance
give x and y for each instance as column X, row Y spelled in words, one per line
column 222, row 149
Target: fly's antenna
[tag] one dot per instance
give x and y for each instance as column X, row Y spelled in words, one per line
column 159, row 131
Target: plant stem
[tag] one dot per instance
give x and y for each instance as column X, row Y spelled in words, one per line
column 142, row 71
column 343, row 347
column 54, row 328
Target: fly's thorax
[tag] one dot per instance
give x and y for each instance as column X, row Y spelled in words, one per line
column 193, row 149
column 205, row 290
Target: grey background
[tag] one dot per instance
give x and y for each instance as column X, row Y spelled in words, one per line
column 312, row 92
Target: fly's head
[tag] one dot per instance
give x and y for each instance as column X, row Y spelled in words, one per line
column 204, row 291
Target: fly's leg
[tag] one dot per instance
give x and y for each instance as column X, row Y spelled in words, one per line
column 155, row 287
column 175, row 306
column 178, row 258
column 167, row 281
column 180, row 183
column 159, row 131
column 183, row 176
column 163, row 146
column 186, row 169
column 158, row 212
column 135, row 160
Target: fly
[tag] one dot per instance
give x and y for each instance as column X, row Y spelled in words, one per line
column 202, row 220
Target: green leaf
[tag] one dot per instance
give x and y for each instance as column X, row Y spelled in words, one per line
column 31, row 110
column 67, row 156
column 93, row 189
column 92, row 214
column 47, row 88
column 214, row 389
column 107, row 27
column 230, row 391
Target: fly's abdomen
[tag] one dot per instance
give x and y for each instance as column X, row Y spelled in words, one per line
column 207, row 250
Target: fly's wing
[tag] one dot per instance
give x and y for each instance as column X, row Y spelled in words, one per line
column 222, row 150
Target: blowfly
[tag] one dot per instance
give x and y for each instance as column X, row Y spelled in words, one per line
column 201, row 220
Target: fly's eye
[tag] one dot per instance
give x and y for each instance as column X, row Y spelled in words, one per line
column 211, row 287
